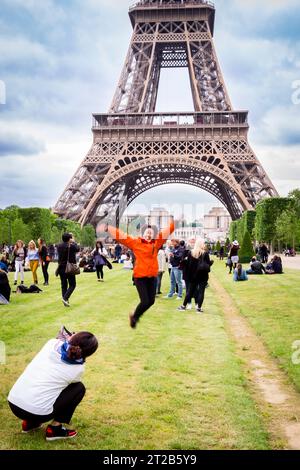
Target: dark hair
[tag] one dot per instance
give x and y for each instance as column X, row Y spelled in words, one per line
column 182, row 243
column 99, row 243
column 82, row 345
column 152, row 227
column 253, row 259
column 66, row 237
column 239, row 269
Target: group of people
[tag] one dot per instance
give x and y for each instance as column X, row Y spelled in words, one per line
column 50, row 388
column 32, row 256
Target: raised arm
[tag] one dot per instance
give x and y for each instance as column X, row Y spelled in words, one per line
column 118, row 235
column 164, row 234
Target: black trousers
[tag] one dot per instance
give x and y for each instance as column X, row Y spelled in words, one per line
column 146, row 287
column 195, row 293
column 45, row 266
column 99, row 269
column 63, row 408
column 197, row 290
column 68, row 284
column 158, row 282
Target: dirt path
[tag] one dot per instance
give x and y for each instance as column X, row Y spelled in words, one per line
column 278, row 401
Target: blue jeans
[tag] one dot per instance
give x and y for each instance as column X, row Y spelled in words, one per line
column 176, row 278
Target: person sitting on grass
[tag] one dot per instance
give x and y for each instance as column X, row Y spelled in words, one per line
column 50, row 388
column 4, row 264
column 240, row 274
column 275, row 267
column 5, row 289
column 256, row 267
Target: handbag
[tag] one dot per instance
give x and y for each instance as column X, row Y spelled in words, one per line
column 71, row 268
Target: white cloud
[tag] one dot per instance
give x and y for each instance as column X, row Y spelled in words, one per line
column 67, row 63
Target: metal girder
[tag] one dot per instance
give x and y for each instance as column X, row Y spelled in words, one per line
column 136, row 149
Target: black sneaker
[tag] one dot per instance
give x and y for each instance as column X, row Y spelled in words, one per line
column 182, row 308
column 132, row 321
column 55, row 433
column 66, row 303
column 28, row 427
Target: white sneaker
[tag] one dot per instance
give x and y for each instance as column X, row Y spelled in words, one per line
column 189, row 307
column 66, row 303
column 179, row 298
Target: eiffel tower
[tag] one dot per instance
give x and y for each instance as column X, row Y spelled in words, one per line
column 135, row 149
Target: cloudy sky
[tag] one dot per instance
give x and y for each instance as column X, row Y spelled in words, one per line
column 60, row 61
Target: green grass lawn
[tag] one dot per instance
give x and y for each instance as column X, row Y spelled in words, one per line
column 272, row 306
column 174, row 383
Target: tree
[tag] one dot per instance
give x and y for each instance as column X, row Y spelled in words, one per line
column 218, row 246
column 88, row 236
column 267, row 212
column 20, row 231
column 246, row 252
column 288, row 227
column 5, row 232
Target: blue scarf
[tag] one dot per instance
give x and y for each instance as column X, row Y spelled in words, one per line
column 64, row 355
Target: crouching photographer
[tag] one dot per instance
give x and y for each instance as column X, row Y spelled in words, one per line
column 50, row 388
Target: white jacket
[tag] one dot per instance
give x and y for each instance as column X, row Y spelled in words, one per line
column 162, row 263
column 43, row 380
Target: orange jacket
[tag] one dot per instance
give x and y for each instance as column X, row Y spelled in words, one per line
column 146, row 263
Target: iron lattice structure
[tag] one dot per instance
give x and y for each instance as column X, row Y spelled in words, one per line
column 135, row 149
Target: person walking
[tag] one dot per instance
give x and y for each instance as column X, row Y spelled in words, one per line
column 176, row 257
column 263, row 253
column 234, row 255
column 145, row 249
column 67, row 253
column 34, row 260
column 99, row 255
column 44, row 260
column 19, row 256
column 50, row 388
column 162, row 268
column 197, row 266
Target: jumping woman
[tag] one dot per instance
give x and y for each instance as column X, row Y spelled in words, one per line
column 145, row 272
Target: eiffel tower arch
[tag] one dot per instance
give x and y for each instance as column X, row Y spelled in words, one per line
column 135, row 149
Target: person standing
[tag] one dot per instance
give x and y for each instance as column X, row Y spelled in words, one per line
column 118, row 252
column 67, row 251
column 234, row 255
column 263, row 252
column 176, row 256
column 19, row 255
column 99, row 255
column 196, row 268
column 44, row 260
column 34, row 260
column 162, row 267
column 145, row 249
column 50, row 387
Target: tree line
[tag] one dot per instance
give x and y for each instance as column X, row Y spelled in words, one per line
column 33, row 223
column 275, row 221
